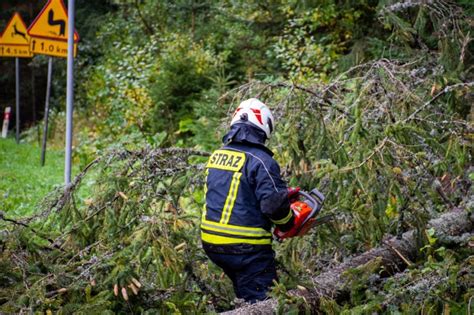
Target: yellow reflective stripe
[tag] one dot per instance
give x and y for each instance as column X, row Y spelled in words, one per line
column 285, row 219
column 231, row 232
column 217, row 239
column 234, row 229
column 230, row 200
column 204, row 207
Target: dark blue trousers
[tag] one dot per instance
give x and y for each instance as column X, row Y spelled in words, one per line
column 252, row 274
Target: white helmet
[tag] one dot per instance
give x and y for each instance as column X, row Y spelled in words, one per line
column 255, row 112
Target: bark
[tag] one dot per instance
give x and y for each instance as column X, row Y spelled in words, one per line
column 395, row 254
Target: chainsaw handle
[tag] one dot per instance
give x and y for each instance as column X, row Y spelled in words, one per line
column 315, row 200
column 318, row 195
column 309, row 199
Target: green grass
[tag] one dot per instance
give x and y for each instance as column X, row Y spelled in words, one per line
column 23, row 182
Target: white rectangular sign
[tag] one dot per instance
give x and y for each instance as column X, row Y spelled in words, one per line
column 6, row 120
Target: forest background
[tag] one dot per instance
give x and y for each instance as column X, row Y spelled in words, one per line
column 373, row 101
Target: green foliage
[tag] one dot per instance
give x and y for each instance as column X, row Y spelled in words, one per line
column 139, row 224
column 183, row 72
column 288, row 304
column 358, row 278
column 314, row 40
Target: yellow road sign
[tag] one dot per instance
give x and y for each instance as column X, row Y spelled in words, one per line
column 50, row 47
column 15, row 41
column 15, row 51
column 51, row 22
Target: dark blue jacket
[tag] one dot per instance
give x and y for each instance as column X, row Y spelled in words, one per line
column 245, row 193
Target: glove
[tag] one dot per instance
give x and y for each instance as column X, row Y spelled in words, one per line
column 301, row 211
column 293, row 192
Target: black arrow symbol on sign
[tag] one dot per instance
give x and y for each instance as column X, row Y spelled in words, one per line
column 53, row 22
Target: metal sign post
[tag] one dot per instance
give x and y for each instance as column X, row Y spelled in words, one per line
column 33, row 103
column 17, row 88
column 46, row 111
column 14, row 42
column 69, row 92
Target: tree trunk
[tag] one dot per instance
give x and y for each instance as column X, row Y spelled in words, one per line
column 394, row 255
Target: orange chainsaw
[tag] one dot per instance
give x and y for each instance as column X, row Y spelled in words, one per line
column 305, row 207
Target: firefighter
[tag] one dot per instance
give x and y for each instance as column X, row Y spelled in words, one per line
column 245, row 197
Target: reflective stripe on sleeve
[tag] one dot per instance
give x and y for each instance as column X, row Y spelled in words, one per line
column 285, row 219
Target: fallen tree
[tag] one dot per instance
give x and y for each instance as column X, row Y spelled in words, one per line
column 394, row 255
column 388, row 142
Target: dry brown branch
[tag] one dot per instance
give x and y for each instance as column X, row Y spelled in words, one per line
column 406, row 260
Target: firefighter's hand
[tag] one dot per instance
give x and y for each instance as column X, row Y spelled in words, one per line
column 299, row 217
column 124, row 286
column 293, row 192
column 287, row 234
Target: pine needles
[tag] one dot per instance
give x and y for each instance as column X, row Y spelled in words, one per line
column 139, row 222
column 388, row 141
